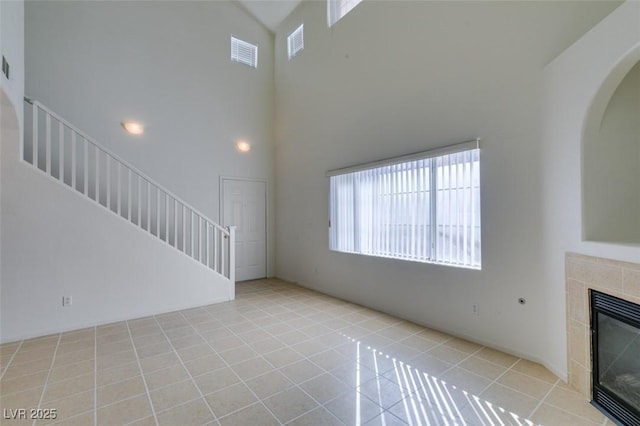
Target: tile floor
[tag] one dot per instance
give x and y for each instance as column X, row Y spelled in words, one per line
column 278, row 354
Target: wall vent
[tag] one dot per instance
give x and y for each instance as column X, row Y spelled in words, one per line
column 244, row 52
column 295, row 41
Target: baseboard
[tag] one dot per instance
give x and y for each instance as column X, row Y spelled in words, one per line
column 50, row 332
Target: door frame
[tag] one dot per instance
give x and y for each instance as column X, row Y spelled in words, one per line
column 267, row 216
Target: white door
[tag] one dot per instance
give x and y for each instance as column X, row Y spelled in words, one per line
column 244, row 205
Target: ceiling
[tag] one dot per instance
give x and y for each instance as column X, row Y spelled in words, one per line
column 270, row 12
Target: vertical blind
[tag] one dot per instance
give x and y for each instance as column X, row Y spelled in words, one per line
column 420, row 209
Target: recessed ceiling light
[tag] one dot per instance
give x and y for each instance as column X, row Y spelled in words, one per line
column 133, row 127
column 243, row 146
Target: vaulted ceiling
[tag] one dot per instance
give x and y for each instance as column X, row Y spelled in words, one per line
column 270, row 12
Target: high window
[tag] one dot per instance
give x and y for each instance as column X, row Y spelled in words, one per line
column 244, row 52
column 295, row 41
column 336, row 9
column 424, row 207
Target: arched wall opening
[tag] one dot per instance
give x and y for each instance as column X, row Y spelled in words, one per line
column 611, row 157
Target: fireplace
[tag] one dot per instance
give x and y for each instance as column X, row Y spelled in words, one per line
column 615, row 328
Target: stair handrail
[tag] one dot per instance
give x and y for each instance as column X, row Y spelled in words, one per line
column 192, row 233
column 107, row 151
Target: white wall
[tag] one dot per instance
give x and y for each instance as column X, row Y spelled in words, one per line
column 577, row 87
column 97, row 63
column 12, row 48
column 398, row 77
column 612, row 168
column 56, row 243
column 11, row 90
column 168, row 65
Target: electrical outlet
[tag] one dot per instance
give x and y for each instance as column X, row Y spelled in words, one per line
column 67, row 300
column 475, row 309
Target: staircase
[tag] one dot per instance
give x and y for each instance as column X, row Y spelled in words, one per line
column 56, row 148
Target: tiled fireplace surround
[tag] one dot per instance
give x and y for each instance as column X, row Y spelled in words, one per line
column 620, row 279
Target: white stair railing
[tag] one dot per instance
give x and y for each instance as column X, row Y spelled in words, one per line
column 67, row 155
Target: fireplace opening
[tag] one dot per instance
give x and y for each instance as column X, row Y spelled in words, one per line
column 615, row 341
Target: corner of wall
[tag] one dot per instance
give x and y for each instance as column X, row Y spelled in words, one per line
column 571, row 84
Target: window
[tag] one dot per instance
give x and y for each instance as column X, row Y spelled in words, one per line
column 336, row 9
column 295, row 41
column 423, row 207
column 243, row 52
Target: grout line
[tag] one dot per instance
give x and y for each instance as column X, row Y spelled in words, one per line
column 571, row 413
column 438, row 344
column 320, row 407
column 420, row 353
column 229, row 366
column 144, row 380
column 265, row 308
column 325, row 371
column 287, row 346
column 125, row 399
column 495, row 381
column 544, row 398
column 44, row 388
column 11, row 359
column 183, row 364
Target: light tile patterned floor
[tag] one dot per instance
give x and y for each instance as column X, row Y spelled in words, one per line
column 278, row 354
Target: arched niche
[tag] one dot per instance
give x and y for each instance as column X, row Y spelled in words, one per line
column 611, row 157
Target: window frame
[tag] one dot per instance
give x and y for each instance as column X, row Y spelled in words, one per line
column 338, row 9
column 431, row 214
